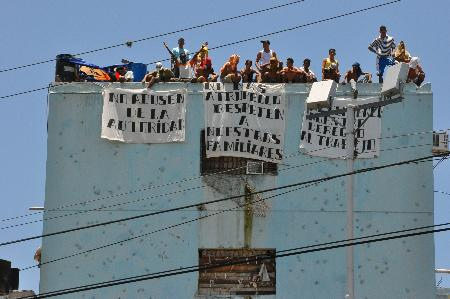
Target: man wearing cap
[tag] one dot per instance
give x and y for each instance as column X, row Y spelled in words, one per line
column 263, row 56
column 352, row 76
column 180, row 57
column 159, row 75
column 384, row 47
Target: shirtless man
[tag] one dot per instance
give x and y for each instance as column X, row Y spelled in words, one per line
column 229, row 72
column 308, row 74
column 291, row 74
column 248, row 73
column 272, row 73
column 263, row 56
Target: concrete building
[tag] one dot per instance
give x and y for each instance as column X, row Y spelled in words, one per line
column 83, row 167
column 9, row 282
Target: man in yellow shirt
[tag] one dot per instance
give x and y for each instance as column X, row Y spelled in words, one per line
column 330, row 67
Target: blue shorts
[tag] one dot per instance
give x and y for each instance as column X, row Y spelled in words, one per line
column 383, row 62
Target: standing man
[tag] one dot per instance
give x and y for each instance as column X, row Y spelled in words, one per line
column 179, row 57
column 384, row 47
column 263, row 56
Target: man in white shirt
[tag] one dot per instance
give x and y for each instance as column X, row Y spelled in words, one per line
column 263, row 56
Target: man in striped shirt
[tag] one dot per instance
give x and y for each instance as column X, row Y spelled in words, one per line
column 384, row 47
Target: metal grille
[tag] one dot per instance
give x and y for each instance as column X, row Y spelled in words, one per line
column 254, row 277
column 228, row 165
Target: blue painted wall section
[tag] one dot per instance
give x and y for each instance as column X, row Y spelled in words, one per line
column 83, row 167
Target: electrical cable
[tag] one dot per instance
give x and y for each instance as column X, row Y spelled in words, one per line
column 255, row 37
column 150, row 197
column 159, row 35
column 177, row 191
column 293, row 28
column 363, row 170
column 279, row 254
column 161, row 229
column 440, row 161
column 168, row 227
column 199, row 177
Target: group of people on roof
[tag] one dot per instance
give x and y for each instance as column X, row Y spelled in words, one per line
column 197, row 67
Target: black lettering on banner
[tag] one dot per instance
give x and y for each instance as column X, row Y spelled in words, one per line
column 164, row 114
column 111, row 123
column 120, row 98
column 180, row 98
column 243, row 120
column 145, row 119
column 135, row 112
column 235, row 133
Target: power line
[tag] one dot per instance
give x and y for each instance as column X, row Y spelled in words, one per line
column 296, row 27
column 176, row 225
column 257, row 37
column 145, row 198
column 198, row 177
column 179, row 191
column 279, row 254
column 162, row 229
column 23, row 92
column 271, row 210
column 363, row 170
column 160, row 35
column 439, row 162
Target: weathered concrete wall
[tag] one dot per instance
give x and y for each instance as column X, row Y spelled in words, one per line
column 81, row 166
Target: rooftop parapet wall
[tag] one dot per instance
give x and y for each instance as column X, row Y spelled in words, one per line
column 83, row 167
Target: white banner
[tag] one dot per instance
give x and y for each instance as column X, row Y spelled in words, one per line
column 143, row 116
column 244, row 121
column 325, row 136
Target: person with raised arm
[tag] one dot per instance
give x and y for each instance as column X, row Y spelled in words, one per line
column 179, row 57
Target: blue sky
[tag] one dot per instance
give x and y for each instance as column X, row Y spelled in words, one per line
column 39, row 30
